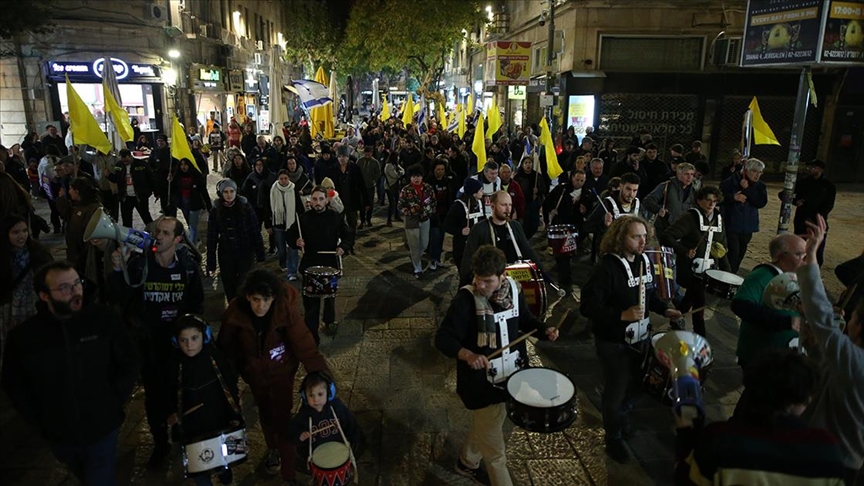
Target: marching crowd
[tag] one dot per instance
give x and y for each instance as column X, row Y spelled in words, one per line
column 110, row 317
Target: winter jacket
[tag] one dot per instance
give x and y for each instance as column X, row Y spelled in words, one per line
column 324, row 231
column 761, row 326
column 143, row 180
column 684, row 235
column 674, row 197
column 415, row 208
column 269, row 358
column 742, row 217
column 235, row 230
column 350, row 186
column 194, row 182
column 70, row 378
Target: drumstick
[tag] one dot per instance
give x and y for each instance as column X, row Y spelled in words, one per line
column 518, row 340
column 310, row 440
column 326, row 252
column 641, row 284
column 323, row 429
column 196, row 407
column 594, row 190
column 665, row 190
column 693, row 311
column 299, row 231
column 849, row 292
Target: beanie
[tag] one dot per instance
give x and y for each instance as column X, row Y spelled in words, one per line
column 471, row 185
column 223, row 184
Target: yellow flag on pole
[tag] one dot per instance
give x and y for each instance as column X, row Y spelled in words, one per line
column 321, row 118
column 479, row 144
column 470, row 103
column 179, row 146
column 442, row 117
column 119, row 116
column 385, row 111
column 762, row 133
column 85, row 128
column 408, row 110
column 494, row 119
column 552, row 168
column 462, row 128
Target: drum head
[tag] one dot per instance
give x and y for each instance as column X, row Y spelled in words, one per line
column 327, row 271
column 330, row 455
column 725, row 277
column 540, row 387
column 656, row 337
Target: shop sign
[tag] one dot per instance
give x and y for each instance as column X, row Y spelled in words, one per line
column 250, row 84
column 507, row 63
column 235, row 80
column 843, row 36
column 206, row 78
column 83, row 70
column 803, row 32
column 516, row 92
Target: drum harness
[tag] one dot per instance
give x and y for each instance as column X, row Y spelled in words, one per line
column 637, row 331
column 509, row 360
column 700, row 265
column 616, row 212
column 228, row 396
column 471, row 218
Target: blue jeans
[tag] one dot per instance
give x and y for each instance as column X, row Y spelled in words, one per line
column 436, row 242
column 288, row 257
column 621, row 366
column 94, row 464
column 192, row 218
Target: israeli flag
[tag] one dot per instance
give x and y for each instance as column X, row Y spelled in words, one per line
column 312, row 94
column 421, row 117
column 454, row 124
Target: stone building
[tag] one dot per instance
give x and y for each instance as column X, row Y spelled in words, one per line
column 668, row 68
column 200, row 59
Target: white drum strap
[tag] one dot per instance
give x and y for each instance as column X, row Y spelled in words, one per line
column 638, row 331
column 505, row 365
column 471, row 218
column 616, row 212
column 706, row 258
column 512, row 238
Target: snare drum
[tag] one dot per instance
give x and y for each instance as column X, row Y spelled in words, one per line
column 331, row 465
column 320, row 282
column 722, row 284
column 215, row 453
column 663, row 260
column 562, row 239
column 657, row 379
column 533, row 285
column 541, row 400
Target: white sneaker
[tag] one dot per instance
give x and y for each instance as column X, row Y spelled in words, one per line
column 441, row 264
column 432, row 265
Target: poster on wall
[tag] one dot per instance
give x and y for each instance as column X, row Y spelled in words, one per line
column 580, row 112
column 507, row 63
column 843, row 36
column 778, row 33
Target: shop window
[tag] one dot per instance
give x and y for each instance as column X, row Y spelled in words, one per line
column 630, row 53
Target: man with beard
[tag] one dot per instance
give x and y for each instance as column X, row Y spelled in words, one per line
column 622, row 202
column 162, row 166
column 170, row 286
column 617, row 297
column 502, row 233
column 325, row 238
column 672, row 198
column 68, row 371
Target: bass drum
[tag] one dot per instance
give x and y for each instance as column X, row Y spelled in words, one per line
column 541, row 400
column 533, row 285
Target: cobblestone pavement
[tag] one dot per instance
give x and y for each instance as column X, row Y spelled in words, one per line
column 403, row 391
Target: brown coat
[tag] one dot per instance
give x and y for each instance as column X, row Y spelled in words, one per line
column 239, row 341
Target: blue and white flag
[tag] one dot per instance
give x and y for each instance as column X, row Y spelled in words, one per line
column 528, row 148
column 421, row 117
column 454, row 124
column 312, row 94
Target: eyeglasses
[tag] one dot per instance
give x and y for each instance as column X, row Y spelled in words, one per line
column 66, row 289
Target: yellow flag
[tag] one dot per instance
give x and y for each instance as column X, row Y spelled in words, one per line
column 461, row 129
column 385, row 111
column 470, row 103
column 442, row 117
column 119, row 116
column 479, row 144
column 762, row 133
column 321, row 118
column 179, row 145
column 85, row 128
column 408, row 110
column 494, row 119
column 552, row 167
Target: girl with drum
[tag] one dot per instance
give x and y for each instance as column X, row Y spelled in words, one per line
column 700, row 244
column 205, row 399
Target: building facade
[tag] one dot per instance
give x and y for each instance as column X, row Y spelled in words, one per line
column 201, row 59
column 668, row 68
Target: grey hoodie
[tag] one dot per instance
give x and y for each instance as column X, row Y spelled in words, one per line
column 839, row 408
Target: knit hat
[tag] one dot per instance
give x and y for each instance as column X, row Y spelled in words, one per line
column 471, row 185
column 327, row 182
column 221, row 185
column 343, row 151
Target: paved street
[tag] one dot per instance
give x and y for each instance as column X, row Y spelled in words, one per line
column 403, row 391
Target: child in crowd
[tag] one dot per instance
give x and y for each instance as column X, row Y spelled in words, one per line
column 319, row 402
column 206, row 400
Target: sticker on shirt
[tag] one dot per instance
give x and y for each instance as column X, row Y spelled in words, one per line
column 277, row 353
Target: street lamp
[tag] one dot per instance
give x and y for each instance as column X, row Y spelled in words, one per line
column 549, row 56
column 174, row 54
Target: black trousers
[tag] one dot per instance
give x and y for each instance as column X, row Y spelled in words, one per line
column 737, row 248
column 128, row 203
column 621, row 365
column 111, row 204
column 312, row 309
column 233, row 267
column 565, row 273
column 694, row 298
column 157, row 399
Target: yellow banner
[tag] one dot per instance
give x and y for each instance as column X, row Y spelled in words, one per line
column 789, row 16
